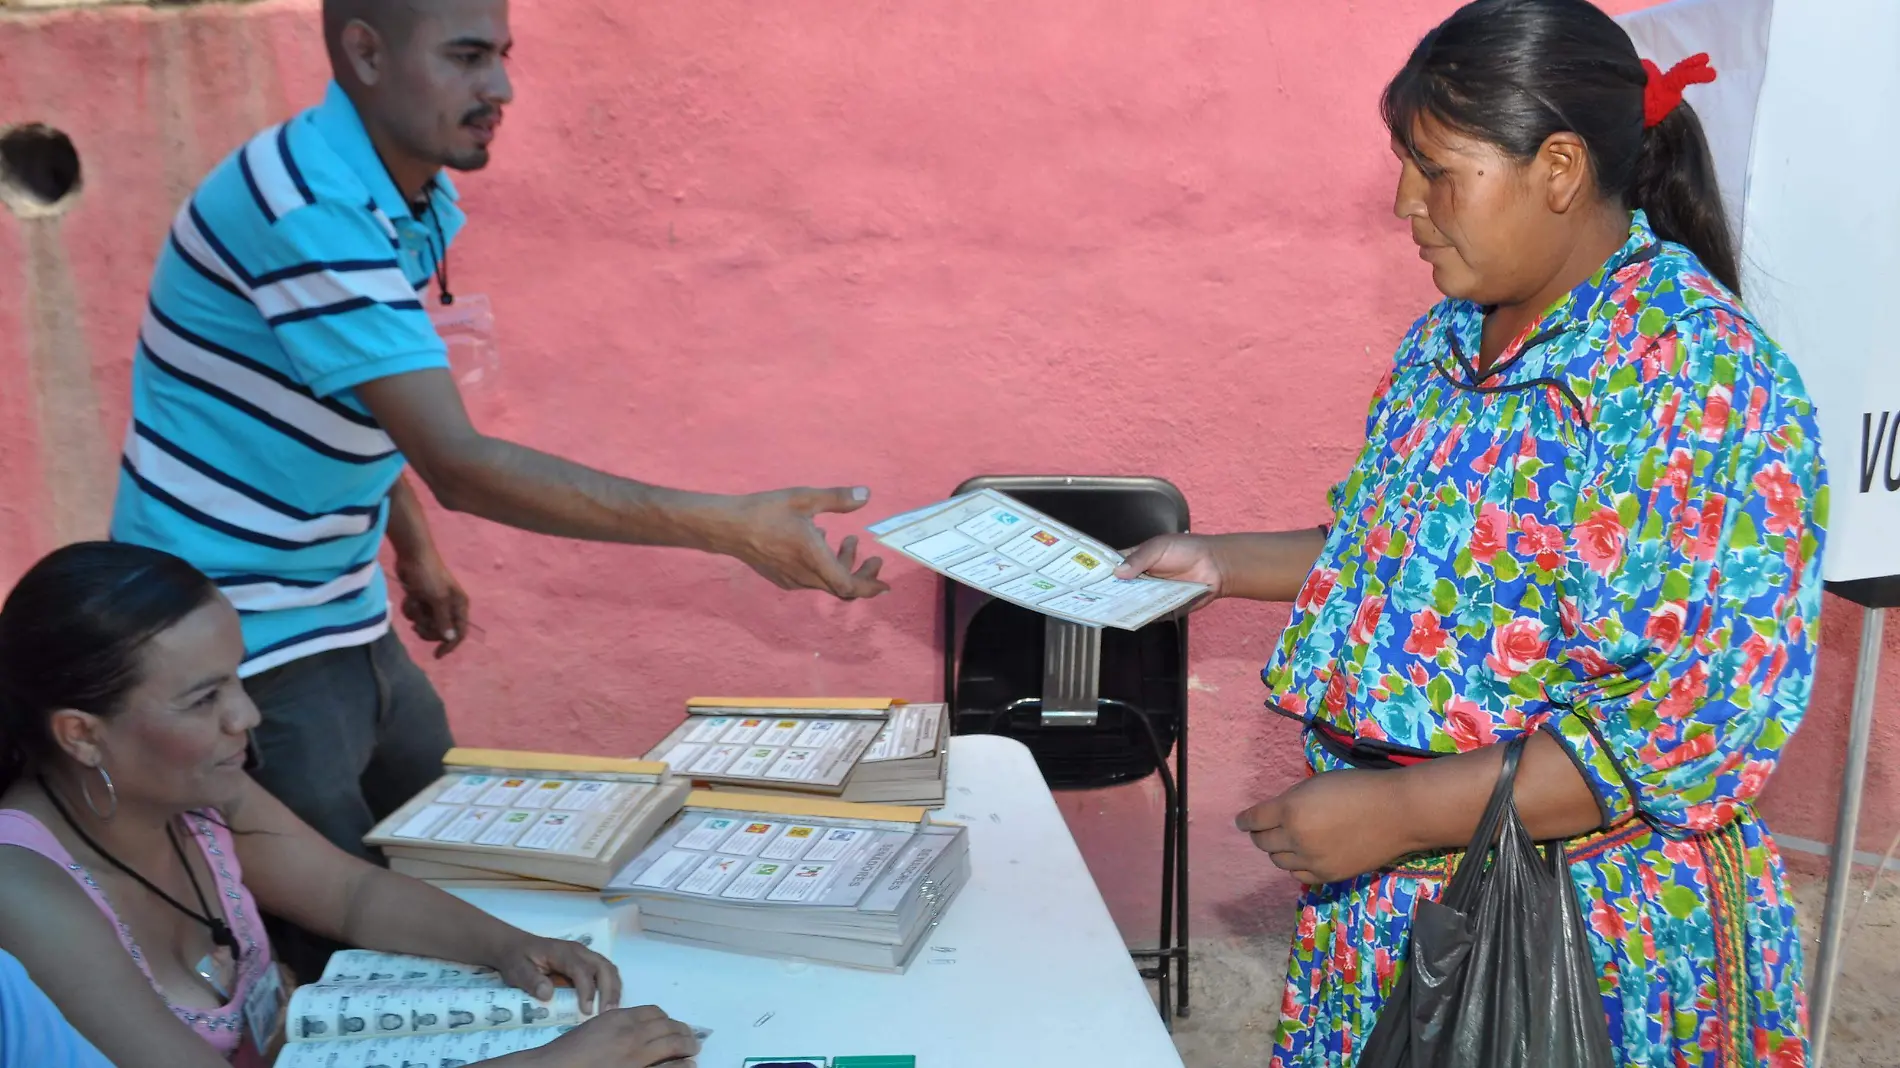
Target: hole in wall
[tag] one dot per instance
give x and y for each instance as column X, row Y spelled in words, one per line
column 39, row 170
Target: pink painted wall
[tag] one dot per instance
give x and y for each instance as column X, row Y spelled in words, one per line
column 735, row 246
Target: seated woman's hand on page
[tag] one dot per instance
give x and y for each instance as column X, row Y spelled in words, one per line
column 620, row 1038
column 530, row 962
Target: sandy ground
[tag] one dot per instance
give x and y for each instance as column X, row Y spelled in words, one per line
column 1236, row 986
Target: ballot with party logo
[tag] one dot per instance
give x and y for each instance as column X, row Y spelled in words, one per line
column 992, row 542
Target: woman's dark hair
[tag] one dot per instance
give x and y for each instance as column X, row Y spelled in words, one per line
column 70, row 635
column 1513, row 72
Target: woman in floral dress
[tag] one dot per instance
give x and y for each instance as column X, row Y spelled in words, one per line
column 1589, row 510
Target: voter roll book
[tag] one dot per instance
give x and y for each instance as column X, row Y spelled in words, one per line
column 546, row 818
column 805, row 878
column 370, row 1010
column 992, row 542
column 855, row 749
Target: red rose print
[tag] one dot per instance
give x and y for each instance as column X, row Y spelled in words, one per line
column 1427, row 639
column 1377, row 541
column 1546, row 543
column 1419, row 678
column 1335, row 700
column 1600, row 540
column 1516, row 646
column 1665, row 625
column 1607, row 922
column 1684, row 853
column 1442, row 455
column 1366, row 624
column 1315, row 590
column 1715, row 413
column 1754, row 651
column 1593, row 663
column 1485, row 464
column 1681, row 470
column 1685, row 693
column 1487, row 538
column 1658, row 356
column 1783, row 497
column 1468, row 725
column 1711, row 529
column 1754, row 777
column 1709, row 1037
column 1669, row 410
column 1757, row 402
column 1569, row 616
column 1318, row 587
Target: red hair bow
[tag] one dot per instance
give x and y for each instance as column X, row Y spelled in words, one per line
column 1663, row 93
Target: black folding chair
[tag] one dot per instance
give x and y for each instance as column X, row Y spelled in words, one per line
column 1097, row 707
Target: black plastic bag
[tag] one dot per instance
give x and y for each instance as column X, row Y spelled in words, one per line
column 1498, row 974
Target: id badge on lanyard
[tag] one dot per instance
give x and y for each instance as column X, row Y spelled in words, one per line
column 466, row 324
column 467, row 327
column 264, row 1011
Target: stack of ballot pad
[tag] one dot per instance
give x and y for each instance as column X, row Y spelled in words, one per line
column 851, row 884
column 502, row 818
column 854, row 749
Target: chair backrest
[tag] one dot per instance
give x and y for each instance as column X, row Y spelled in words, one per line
column 1094, row 706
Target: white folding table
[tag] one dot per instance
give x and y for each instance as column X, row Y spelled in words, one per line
column 1025, row 967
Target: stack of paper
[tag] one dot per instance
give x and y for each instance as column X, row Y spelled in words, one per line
column 900, row 759
column 997, row 544
column 908, row 761
column 548, row 817
column 859, row 885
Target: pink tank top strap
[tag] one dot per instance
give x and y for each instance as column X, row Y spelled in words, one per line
column 24, row 830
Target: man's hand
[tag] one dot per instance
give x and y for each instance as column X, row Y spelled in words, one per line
column 624, row 1038
column 1335, row 825
column 433, row 602
column 774, row 534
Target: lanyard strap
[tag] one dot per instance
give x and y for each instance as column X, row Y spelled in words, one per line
column 221, row 935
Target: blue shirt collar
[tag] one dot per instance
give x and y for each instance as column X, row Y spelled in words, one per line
column 1574, row 309
column 340, row 124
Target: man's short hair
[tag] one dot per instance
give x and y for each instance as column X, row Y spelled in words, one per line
column 391, row 18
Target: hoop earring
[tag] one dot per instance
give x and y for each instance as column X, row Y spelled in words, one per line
column 112, row 793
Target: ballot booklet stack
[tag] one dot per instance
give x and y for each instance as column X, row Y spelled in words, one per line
column 808, row 878
column 371, row 1010
column 853, row 749
column 505, row 818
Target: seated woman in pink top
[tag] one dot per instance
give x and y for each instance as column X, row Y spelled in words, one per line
column 135, row 853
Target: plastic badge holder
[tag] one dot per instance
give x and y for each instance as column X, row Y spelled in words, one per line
column 467, row 327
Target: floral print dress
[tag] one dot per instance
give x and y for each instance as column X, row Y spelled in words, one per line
column 1613, row 536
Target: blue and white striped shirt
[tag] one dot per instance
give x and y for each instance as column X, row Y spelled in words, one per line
column 294, row 274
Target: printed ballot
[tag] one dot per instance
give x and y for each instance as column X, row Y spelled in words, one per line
column 811, row 878
column 995, row 543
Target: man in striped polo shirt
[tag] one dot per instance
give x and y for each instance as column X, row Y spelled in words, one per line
column 288, row 368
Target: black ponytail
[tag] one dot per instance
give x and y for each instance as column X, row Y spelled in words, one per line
column 1514, row 72
column 71, row 632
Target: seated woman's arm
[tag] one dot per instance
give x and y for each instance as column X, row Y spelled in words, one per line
column 74, row 956
column 295, row 873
